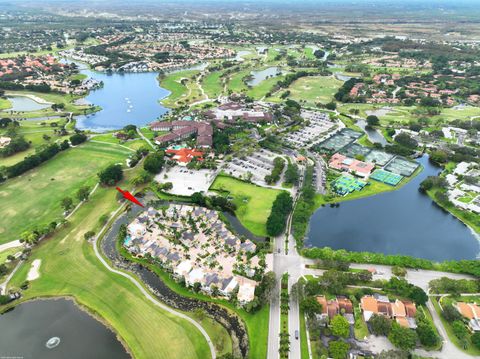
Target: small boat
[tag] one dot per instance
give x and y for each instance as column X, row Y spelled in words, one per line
column 129, row 110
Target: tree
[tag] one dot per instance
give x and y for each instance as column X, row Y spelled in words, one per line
column 418, row 295
column 331, row 106
column 380, row 325
column 402, row 338
column 476, row 339
column 153, row 162
column 372, row 120
column 311, row 306
column 265, row 289
column 426, row 333
column 450, row 313
column 399, row 271
column 460, row 330
column 89, row 235
column 67, row 204
column 438, row 156
column 111, row 175
column 103, row 219
column 199, row 199
column 340, row 326
column 405, row 140
column 78, row 138
column 83, row 193
column 338, row 349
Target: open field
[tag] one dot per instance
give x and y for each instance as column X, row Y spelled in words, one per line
column 70, row 268
column 254, row 203
column 181, row 93
column 34, row 198
column 33, row 131
column 4, row 104
column 256, row 323
column 212, row 84
column 405, row 114
column 313, row 89
column 133, row 144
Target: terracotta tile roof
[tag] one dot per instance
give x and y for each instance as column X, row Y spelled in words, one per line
column 369, row 304
column 398, row 309
column 323, row 301
column 465, row 310
column 410, row 309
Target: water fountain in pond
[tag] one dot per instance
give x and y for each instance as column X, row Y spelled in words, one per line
column 53, row 342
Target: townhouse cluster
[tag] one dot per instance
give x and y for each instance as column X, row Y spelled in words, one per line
column 463, row 186
column 196, row 246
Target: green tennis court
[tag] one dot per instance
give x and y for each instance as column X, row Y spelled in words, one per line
column 347, row 184
column 389, row 178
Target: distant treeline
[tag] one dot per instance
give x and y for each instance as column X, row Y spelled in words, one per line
column 4, row 85
column 462, row 266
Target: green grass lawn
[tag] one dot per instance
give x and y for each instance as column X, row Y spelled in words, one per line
column 180, row 93
column 11, row 251
column 133, row 144
column 4, row 104
column 254, row 203
column 34, row 198
column 212, row 84
column 303, row 336
column 70, row 268
column 314, row 89
column 256, row 323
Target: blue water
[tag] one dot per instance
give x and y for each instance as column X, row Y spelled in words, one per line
column 399, row 222
column 127, row 241
column 131, row 98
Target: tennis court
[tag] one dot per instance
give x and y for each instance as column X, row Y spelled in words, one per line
column 378, row 157
column 389, row 178
column 347, row 184
column 402, row 166
column 338, row 141
column 355, row 149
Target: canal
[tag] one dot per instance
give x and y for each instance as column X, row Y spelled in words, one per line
column 398, row 222
column 56, row 329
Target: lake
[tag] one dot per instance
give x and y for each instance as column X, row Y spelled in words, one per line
column 125, row 98
column 29, row 326
column 259, row 76
column 22, row 103
column 399, row 222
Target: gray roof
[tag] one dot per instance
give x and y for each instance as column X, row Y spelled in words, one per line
column 226, row 282
column 211, row 278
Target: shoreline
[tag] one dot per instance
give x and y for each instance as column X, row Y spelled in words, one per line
column 84, row 308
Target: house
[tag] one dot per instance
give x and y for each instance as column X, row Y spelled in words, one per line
column 344, row 163
column 331, row 308
column 196, row 275
column 228, row 286
column 184, row 156
column 403, row 312
column 183, row 268
column 246, row 289
column 183, row 129
column 471, row 311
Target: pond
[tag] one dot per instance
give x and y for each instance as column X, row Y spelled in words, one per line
column 56, row 329
column 259, row 76
column 125, row 98
column 404, row 221
column 373, row 134
column 25, row 104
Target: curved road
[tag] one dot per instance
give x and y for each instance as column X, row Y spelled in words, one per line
column 147, row 294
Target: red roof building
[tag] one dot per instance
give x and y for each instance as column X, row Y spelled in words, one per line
column 184, row 155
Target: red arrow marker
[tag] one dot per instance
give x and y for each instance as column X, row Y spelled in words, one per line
column 128, row 196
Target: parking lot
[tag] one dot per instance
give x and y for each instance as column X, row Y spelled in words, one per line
column 259, row 164
column 186, row 182
column 319, row 125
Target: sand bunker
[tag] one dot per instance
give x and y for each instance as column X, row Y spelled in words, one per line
column 34, row 272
